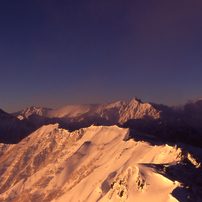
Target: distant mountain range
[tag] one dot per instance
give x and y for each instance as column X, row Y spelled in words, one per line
column 166, row 123
column 174, row 124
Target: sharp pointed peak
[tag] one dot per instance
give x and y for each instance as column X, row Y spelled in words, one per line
column 137, row 100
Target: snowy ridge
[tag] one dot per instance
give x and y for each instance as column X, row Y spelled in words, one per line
column 138, row 110
column 73, row 111
column 25, row 113
column 114, row 113
column 97, row 163
column 136, row 115
column 119, row 111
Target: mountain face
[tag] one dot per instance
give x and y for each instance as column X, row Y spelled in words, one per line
column 138, row 110
column 98, row 163
column 126, row 155
column 144, row 117
column 25, row 113
column 12, row 130
column 112, row 113
column 73, row 117
column 107, row 114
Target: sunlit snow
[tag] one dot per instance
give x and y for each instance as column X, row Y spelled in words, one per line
column 98, row 163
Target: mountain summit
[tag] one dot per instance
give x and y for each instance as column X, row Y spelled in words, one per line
column 144, row 117
column 112, row 113
column 138, row 110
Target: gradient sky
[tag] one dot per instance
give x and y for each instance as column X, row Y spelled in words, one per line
column 59, row 52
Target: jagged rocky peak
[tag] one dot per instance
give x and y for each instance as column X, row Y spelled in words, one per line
column 135, row 99
column 117, row 104
column 41, row 111
column 136, row 109
column 136, row 102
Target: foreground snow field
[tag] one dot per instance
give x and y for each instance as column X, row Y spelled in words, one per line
column 98, row 163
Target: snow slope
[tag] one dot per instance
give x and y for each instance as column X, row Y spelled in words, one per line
column 98, row 163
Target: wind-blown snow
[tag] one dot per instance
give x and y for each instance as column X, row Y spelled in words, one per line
column 118, row 112
column 137, row 115
column 98, row 163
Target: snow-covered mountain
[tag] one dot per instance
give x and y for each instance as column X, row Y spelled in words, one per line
column 25, row 113
column 118, row 112
column 75, row 116
column 137, row 115
column 138, row 110
column 109, row 111
column 12, row 130
column 126, row 155
column 98, row 163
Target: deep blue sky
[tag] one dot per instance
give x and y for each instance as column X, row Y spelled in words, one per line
column 59, row 52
